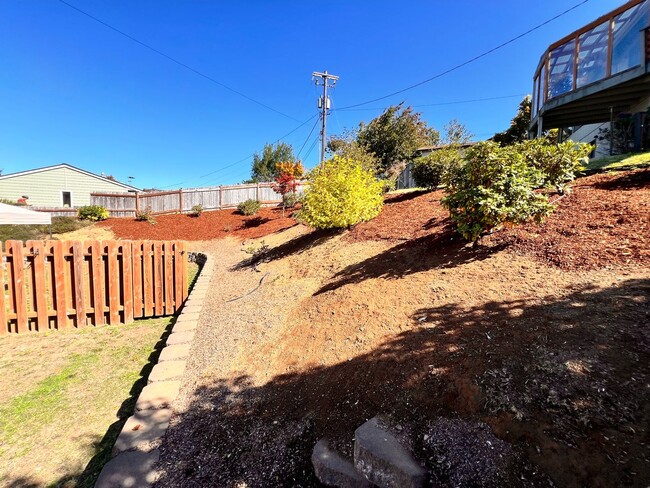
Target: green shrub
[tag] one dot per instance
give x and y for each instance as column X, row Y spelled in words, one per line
column 342, row 193
column 6, row 201
column 558, row 162
column 289, row 200
column 62, row 224
column 197, row 210
column 435, row 168
column 495, row 185
column 94, row 213
column 249, row 207
column 145, row 215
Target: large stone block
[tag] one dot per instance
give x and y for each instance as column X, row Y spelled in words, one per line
column 132, row 469
column 381, row 458
column 158, row 395
column 333, row 470
column 141, row 429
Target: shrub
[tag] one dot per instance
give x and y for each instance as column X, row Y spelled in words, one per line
column 94, row 213
column 62, row 224
column 289, row 200
column 197, row 210
column 342, row 193
column 495, row 185
column 435, row 168
column 557, row 162
column 145, row 215
column 249, row 207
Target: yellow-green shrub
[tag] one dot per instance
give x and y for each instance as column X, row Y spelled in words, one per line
column 341, row 193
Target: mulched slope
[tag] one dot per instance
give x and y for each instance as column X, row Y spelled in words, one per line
column 603, row 221
column 210, row 225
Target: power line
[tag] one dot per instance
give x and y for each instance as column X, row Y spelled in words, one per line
column 456, row 102
column 311, row 148
column 307, row 139
column 174, row 60
column 223, row 168
column 465, row 63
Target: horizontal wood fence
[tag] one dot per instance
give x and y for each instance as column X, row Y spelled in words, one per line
column 60, row 284
column 162, row 202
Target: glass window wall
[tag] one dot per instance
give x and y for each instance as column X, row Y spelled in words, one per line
column 560, row 79
column 592, row 55
column 627, row 45
column 542, row 91
column 535, row 91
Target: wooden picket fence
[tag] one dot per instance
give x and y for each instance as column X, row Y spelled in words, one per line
column 59, row 284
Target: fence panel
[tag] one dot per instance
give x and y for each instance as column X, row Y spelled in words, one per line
column 207, row 197
column 54, row 284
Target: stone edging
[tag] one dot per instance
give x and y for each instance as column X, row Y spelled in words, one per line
column 135, row 452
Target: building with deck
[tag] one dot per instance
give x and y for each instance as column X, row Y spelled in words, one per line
column 595, row 76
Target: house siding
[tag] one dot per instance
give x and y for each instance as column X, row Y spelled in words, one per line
column 44, row 187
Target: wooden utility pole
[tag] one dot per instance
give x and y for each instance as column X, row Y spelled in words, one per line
column 327, row 81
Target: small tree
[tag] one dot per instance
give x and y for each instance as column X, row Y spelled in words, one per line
column 264, row 164
column 341, row 194
column 456, row 133
column 286, row 182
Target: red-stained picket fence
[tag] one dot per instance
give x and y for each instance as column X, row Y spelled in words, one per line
column 60, row 284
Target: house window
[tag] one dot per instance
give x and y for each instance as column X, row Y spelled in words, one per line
column 66, row 197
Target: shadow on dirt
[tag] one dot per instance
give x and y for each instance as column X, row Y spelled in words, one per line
column 442, row 249
column 255, row 222
column 627, row 181
column 563, row 380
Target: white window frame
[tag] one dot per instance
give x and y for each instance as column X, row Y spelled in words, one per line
column 62, row 202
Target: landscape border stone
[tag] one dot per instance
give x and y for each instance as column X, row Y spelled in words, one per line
column 135, row 452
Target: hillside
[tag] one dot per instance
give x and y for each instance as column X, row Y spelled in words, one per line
column 541, row 332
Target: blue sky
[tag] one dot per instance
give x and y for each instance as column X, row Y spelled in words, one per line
column 73, row 90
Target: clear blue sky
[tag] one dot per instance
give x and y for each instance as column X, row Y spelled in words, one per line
column 73, row 90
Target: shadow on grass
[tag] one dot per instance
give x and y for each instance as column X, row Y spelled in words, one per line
column 563, row 380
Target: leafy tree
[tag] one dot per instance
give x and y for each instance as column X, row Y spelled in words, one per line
column 456, row 133
column 518, row 130
column 346, row 146
column 264, row 164
column 394, row 136
column 286, row 182
column 341, row 194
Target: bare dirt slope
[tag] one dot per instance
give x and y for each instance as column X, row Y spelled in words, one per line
column 398, row 317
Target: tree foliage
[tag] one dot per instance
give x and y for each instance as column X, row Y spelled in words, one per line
column 264, row 165
column 436, row 167
column 346, row 146
column 456, row 133
column 518, row 130
column 394, row 136
column 341, row 193
column 286, row 182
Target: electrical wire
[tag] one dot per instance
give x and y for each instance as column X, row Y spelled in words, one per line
column 307, row 139
column 471, row 60
column 179, row 63
column 457, row 102
column 311, row 148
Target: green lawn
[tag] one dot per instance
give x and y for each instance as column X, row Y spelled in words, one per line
column 64, row 396
column 622, row 161
column 60, row 225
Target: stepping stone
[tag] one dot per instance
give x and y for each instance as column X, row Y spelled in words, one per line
column 175, row 352
column 192, row 309
column 190, row 316
column 158, row 395
column 130, row 469
column 381, row 458
column 185, row 326
column 141, row 429
column 166, row 371
column 180, row 338
column 333, row 470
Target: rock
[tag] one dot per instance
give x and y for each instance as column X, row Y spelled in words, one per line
column 333, row 470
column 383, row 460
column 142, row 429
column 158, row 395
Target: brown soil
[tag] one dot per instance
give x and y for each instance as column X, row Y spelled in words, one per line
column 209, row 225
column 398, row 317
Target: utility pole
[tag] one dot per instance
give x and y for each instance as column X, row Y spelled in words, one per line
column 327, row 81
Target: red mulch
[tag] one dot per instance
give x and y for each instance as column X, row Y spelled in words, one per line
column 210, row 225
column 603, row 221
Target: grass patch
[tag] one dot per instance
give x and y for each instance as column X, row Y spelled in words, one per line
column 64, row 396
column 621, row 161
column 60, row 225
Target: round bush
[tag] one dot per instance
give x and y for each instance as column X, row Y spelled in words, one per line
column 432, row 170
column 93, row 213
column 341, row 193
column 249, row 207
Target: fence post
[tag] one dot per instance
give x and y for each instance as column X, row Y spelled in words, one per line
column 4, row 326
column 39, row 291
column 257, row 191
column 180, row 200
column 137, row 203
column 220, row 197
column 17, row 276
column 98, row 281
column 78, row 270
column 113, row 283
